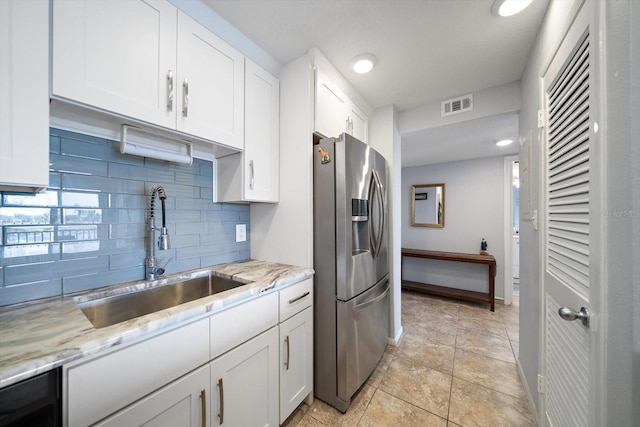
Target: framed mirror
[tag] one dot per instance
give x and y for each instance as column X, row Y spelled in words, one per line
column 427, row 205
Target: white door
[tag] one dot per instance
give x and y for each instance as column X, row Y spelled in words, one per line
column 118, row 56
column 572, row 230
column 210, row 86
column 244, row 384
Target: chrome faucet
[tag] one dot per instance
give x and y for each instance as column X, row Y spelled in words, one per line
column 153, row 271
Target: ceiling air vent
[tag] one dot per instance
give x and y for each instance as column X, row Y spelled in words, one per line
column 456, row 105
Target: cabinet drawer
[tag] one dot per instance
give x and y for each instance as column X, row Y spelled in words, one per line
column 295, row 298
column 241, row 323
column 104, row 385
column 176, row 404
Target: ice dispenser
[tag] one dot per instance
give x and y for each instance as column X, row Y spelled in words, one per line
column 359, row 226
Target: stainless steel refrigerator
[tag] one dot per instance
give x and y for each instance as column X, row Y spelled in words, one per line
column 351, row 283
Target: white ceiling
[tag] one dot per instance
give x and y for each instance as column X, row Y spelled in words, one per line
column 472, row 139
column 427, row 50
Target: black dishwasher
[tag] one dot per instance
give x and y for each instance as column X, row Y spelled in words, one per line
column 34, row 402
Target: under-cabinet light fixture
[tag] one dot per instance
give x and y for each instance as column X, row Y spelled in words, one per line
column 142, row 150
column 509, row 7
column 363, row 63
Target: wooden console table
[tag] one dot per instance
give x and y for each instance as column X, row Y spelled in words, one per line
column 452, row 292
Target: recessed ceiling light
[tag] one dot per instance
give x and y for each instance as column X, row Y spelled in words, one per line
column 504, row 142
column 363, row 63
column 509, row 7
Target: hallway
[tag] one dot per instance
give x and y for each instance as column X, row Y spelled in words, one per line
column 455, row 366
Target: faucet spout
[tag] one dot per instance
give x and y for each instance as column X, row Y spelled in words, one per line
column 153, row 271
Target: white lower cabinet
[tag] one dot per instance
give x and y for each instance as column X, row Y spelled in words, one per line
column 185, row 402
column 248, row 365
column 101, row 386
column 296, row 361
column 244, row 383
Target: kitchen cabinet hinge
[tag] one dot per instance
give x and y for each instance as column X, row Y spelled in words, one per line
column 540, row 384
column 541, row 123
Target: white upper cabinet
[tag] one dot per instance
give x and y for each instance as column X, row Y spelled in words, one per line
column 118, row 56
column 210, row 86
column 254, row 175
column 262, row 134
column 24, row 94
column 335, row 113
column 359, row 123
column 331, row 119
column 145, row 60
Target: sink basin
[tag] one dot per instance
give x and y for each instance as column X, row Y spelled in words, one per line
column 114, row 309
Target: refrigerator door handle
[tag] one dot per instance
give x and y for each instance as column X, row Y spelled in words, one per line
column 373, row 233
column 371, row 301
column 382, row 209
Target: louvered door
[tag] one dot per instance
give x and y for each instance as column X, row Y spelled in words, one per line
column 571, row 229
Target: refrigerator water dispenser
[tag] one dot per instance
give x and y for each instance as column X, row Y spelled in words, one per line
column 359, row 226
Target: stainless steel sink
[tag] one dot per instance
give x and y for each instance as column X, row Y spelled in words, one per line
column 114, row 309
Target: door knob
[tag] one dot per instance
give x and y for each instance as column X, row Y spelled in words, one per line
column 568, row 314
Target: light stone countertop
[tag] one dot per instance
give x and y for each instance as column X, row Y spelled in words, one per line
column 41, row 335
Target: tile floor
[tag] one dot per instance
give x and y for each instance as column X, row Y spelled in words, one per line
column 455, row 366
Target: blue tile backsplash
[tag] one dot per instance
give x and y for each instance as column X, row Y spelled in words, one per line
column 88, row 229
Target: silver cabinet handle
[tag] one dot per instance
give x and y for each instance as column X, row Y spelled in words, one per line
column 251, row 179
column 221, row 391
column 170, row 90
column 185, row 98
column 286, row 363
column 291, row 301
column 203, row 402
column 568, row 314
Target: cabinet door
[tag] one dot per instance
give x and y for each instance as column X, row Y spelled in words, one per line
column 296, row 361
column 185, row 402
column 24, row 93
column 261, row 139
column 116, row 55
column 331, row 108
column 210, row 86
column 244, row 384
column 358, row 123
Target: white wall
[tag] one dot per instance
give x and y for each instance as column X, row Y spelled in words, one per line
column 283, row 232
column 488, row 102
column 553, row 28
column 474, row 208
column 620, row 20
column 384, row 136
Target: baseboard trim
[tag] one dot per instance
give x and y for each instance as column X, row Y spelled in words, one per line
column 527, row 391
column 395, row 340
